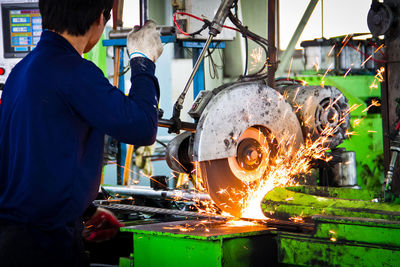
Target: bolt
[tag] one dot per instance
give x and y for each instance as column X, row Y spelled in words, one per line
column 377, row 19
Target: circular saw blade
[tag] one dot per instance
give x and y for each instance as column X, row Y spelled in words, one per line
column 224, row 188
column 228, row 180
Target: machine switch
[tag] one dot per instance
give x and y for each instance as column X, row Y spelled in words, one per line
column 2, row 71
column 200, row 103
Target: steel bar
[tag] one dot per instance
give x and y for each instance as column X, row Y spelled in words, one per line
column 186, row 126
column 165, row 194
column 279, row 224
column 122, row 207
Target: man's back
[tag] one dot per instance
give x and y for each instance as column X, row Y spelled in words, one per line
column 56, row 108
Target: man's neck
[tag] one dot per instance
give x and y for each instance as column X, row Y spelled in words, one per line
column 78, row 42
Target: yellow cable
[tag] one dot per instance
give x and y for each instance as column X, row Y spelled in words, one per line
column 127, row 168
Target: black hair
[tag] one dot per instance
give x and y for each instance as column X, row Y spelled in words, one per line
column 73, row 16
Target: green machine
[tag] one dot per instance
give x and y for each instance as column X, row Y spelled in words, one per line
column 349, row 228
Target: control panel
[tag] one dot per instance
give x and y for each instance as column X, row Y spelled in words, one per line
column 20, row 31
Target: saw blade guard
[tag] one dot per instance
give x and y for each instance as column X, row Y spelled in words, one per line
column 235, row 109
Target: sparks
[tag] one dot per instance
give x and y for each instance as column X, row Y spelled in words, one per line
column 347, row 72
column 344, row 42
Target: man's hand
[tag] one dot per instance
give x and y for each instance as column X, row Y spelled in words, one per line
column 103, row 225
column 145, row 41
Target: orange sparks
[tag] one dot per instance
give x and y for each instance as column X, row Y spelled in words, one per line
column 297, row 219
column 345, row 41
column 378, row 78
column 366, row 60
column 330, row 51
column 350, row 133
column 374, row 103
column 326, row 72
column 358, row 47
column 379, row 75
column 379, row 48
column 347, row 72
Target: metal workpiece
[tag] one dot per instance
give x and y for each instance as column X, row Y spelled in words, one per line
column 152, row 210
column 319, row 108
column 237, row 108
column 139, row 191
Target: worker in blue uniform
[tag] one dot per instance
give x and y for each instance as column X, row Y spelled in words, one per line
column 56, row 108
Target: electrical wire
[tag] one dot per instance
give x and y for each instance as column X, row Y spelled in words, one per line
column 206, row 24
column 246, row 33
column 262, row 42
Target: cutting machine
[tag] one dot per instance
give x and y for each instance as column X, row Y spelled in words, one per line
column 240, row 127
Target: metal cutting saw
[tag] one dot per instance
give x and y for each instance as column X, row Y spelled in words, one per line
column 240, row 127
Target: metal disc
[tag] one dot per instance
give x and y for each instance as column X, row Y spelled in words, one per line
column 228, row 179
column 254, row 172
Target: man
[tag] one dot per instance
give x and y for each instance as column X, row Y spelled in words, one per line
column 56, row 108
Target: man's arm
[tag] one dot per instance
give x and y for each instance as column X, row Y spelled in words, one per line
column 131, row 119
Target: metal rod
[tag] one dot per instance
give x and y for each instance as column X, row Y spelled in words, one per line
column 287, row 55
column 186, row 126
column 151, row 210
column 143, row 12
column 151, row 193
column 195, row 68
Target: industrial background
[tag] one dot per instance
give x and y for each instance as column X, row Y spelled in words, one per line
column 278, row 132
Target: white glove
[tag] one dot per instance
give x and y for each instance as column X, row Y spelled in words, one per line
column 145, row 41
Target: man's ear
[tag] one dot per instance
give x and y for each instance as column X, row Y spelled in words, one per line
column 100, row 19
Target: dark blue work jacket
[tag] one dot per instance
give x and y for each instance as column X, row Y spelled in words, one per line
column 56, row 108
